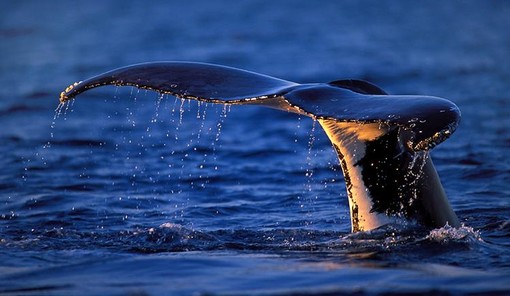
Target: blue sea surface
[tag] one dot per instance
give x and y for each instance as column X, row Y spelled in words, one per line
column 125, row 192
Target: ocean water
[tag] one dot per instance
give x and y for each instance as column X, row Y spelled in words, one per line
column 124, row 192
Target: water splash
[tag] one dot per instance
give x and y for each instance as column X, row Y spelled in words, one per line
column 158, row 105
column 58, row 111
column 447, row 234
column 181, row 111
column 309, row 197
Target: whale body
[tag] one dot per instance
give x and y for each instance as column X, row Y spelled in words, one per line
column 382, row 141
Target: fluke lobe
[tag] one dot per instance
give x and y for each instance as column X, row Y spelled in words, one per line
column 382, row 140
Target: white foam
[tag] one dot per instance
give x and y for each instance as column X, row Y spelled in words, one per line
column 448, row 233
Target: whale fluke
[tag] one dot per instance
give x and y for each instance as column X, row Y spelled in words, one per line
column 382, row 140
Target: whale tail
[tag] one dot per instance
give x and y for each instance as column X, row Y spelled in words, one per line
column 382, row 140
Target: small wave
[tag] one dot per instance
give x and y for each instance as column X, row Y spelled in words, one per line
column 19, row 109
column 387, row 238
column 447, row 234
column 80, row 143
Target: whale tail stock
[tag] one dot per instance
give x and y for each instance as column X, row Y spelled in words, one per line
column 382, row 140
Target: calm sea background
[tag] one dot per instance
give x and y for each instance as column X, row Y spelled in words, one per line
column 121, row 193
